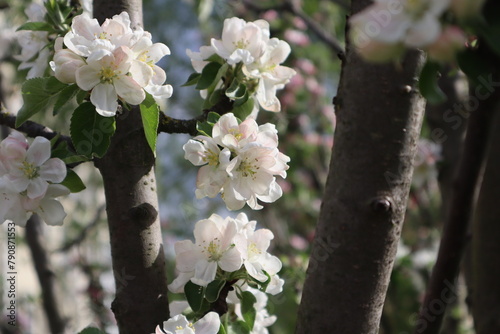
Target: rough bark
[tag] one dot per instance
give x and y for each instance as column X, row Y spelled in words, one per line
column 46, row 277
column 132, row 208
column 485, row 242
column 379, row 115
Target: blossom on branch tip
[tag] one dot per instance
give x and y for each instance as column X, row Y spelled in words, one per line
column 209, row 324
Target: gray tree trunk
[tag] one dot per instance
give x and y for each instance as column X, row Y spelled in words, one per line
column 485, row 242
column 379, row 116
column 132, row 207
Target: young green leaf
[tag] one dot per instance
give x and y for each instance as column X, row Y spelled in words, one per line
column 150, row 114
column 204, row 129
column 39, row 95
column 213, row 290
column 208, row 75
column 192, row 80
column 428, row 83
column 194, row 295
column 36, row 26
column 90, row 132
column 242, row 111
column 212, row 117
column 239, row 327
column 66, row 95
column 236, row 90
column 247, row 308
column 73, row 182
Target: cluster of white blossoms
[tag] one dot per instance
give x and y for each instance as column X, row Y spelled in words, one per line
column 112, row 61
column 227, row 249
column 383, row 30
column 28, row 181
column 240, row 161
column 249, row 44
column 178, row 324
column 34, row 52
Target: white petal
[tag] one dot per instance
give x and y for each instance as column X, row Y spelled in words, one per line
column 53, row 170
column 37, row 187
column 128, row 89
column 39, row 151
column 204, row 273
column 105, row 99
column 209, row 324
column 87, row 77
column 51, row 211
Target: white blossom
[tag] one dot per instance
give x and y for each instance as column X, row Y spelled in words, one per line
column 209, row 324
column 242, row 41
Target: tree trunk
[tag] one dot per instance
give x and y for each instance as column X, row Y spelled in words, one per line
column 379, row 116
column 485, row 242
column 132, row 207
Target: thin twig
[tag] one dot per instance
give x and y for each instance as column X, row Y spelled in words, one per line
column 46, row 277
column 83, row 234
column 454, row 238
column 294, row 8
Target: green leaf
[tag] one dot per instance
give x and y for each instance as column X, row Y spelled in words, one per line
column 90, row 132
column 204, row 129
column 222, row 330
column 247, row 308
column 193, row 79
column 81, row 95
column 428, row 84
column 239, row 327
column 73, row 182
column 194, row 295
column 73, row 159
column 91, row 330
column 208, row 75
column 236, row 90
column 65, row 96
column 212, row 117
column 473, row 65
column 213, row 290
column 36, row 26
column 39, row 95
column 242, row 111
column 150, row 114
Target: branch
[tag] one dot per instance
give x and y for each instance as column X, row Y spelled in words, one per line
column 83, row 234
column 32, row 129
column 46, row 277
column 171, row 125
column 295, row 9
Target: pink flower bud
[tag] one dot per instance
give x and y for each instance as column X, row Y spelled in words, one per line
column 65, row 64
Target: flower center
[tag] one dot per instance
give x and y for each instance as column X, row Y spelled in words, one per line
column 214, row 250
column 107, row 74
column 190, row 325
column 241, row 44
column 248, row 168
column 30, row 171
column 211, row 158
column 253, row 250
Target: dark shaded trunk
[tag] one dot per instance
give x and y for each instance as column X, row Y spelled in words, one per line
column 379, row 115
column 132, row 207
column 45, row 275
column 485, row 242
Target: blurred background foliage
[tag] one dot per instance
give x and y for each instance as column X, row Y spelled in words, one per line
column 80, row 250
